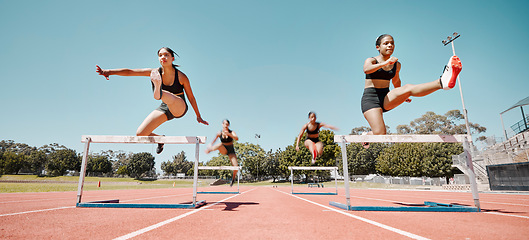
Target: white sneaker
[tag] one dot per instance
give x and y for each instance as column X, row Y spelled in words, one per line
column 452, row 69
column 156, row 79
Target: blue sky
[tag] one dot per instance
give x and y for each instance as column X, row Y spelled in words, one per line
column 262, row 64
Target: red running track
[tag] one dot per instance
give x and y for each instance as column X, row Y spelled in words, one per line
column 260, row 213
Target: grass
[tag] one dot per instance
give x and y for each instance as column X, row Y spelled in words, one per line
column 33, row 183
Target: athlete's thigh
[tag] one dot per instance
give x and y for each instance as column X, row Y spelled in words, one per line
column 151, row 122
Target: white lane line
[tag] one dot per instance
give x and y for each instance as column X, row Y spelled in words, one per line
column 152, row 227
column 507, row 215
column 36, row 211
column 395, row 230
column 59, row 208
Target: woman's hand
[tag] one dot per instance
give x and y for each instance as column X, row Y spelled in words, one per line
column 297, row 148
column 102, row 72
column 392, row 60
column 200, row 120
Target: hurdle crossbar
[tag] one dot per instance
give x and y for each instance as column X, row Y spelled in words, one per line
column 87, row 139
column 424, row 138
column 292, row 168
column 233, row 168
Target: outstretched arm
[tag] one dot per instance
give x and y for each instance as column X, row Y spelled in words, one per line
column 187, row 87
column 123, row 72
column 329, row 126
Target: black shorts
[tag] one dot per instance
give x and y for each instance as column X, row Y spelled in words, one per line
column 165, row 109
column 314, row 140
column 229, row 149
column 374, row 98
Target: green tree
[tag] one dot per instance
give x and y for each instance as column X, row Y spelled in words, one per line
column 219, row 160
column 99, row 164
column 418, row 159
column 451, row 123
column 12, row 162
column 271, row 165
column 180, row 164
column 426, row 159
column 139, row 164
column 37, row 161
column 61, row 160
column 362, row 161
column 251, row 157
column 291, row 157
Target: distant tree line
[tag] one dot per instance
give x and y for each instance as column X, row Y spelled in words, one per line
column 394, row 159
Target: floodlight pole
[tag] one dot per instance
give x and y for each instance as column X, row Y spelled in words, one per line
column 450, row 39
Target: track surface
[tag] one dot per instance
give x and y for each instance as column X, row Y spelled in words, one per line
column 260, row 213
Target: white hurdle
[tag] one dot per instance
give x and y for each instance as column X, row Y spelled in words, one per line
column 335, row 169
column 87, row 139
column 465, row 139
column 233, row 168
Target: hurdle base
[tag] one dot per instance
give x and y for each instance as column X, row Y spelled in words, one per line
column 218, row 193
column 115, row 204
column 430, row 207
column 314, row 193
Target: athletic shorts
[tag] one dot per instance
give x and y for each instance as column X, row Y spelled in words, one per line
column 374, row 98
column 165, row 109
column 314, row 140
column 229, row 149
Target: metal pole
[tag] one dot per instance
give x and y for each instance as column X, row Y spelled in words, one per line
column 523, row 117
column 336, row 180
column 195, row 177
column 83, row 170
column 472, row 174
column 291, row 180
column 345, row 173
column 503, row 126
column 463, row 101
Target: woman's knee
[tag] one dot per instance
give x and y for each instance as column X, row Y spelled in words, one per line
column 379, row 130
column 141, row 132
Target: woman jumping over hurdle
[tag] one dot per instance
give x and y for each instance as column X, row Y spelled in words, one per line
column 313, row 132
column 383, row 69
column 169, row 85
column 225, row 146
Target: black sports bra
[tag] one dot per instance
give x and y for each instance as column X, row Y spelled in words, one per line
column 227, row 139
column 176, row 88
column 383, row 74
column 316, row 131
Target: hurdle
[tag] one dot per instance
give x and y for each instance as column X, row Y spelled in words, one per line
column 233, row 168
column 88, row 139
column 292, row 168
column 425, row 138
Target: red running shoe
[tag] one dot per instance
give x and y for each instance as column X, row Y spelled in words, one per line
column 451, row 71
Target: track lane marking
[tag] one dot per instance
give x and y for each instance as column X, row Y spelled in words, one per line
column 392, row 229
column 66, row 207
column 152, row 227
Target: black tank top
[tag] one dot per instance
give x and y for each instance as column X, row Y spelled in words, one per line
column 316, row 131
column 225, row 139
column 383, row 74
column 176, row 88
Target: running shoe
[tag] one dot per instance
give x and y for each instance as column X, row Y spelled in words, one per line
column 452, row 69
column 159, row 149
column 156, row 79
column 232, row 181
